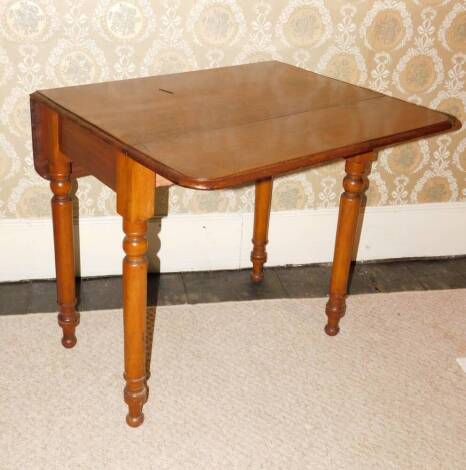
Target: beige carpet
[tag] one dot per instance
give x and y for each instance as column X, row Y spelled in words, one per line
column 250, row 385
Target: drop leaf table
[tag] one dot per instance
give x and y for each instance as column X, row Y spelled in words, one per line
column 208, row 129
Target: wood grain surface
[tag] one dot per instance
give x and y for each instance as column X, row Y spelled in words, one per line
column 224, row 127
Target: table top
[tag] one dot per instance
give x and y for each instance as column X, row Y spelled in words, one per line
column 223, row 127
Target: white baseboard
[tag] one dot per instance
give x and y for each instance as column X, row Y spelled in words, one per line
column 222, row 241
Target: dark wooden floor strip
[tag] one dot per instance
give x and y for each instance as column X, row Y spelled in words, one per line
column 222, row 286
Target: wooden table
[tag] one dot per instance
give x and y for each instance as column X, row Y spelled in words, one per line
column 208, row 129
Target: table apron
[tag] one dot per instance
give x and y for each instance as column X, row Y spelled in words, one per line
column 88, row 151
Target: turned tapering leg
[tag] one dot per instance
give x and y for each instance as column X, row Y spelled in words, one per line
column 354, row 184
column 262, row 205
column 62, row 216
column 135, row 203
column 134, row 317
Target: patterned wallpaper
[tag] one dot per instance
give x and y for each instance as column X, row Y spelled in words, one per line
column 412, row 49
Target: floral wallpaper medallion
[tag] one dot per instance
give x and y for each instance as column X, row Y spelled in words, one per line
column 124, row 20
column 452, row 32
column 28, row 21
column 411, row 49
column 407, row 159
column 29, row 199
column 386, row 31
column 217, row 22
column 387, row 26
column 305, row 23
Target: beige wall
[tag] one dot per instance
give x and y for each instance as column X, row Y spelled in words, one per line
column 413, row 49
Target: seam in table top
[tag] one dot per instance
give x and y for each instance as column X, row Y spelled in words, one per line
column 244, row 124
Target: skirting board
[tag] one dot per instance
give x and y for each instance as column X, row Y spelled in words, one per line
column 223, row 241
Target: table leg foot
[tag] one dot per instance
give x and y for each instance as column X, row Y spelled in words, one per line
column 68, row 324
column 331, row 330
column 263, row 199
column 135, row 422
column 135, row 394
column 335, row 310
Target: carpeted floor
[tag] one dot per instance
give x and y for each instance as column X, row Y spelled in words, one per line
column 249, row 385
